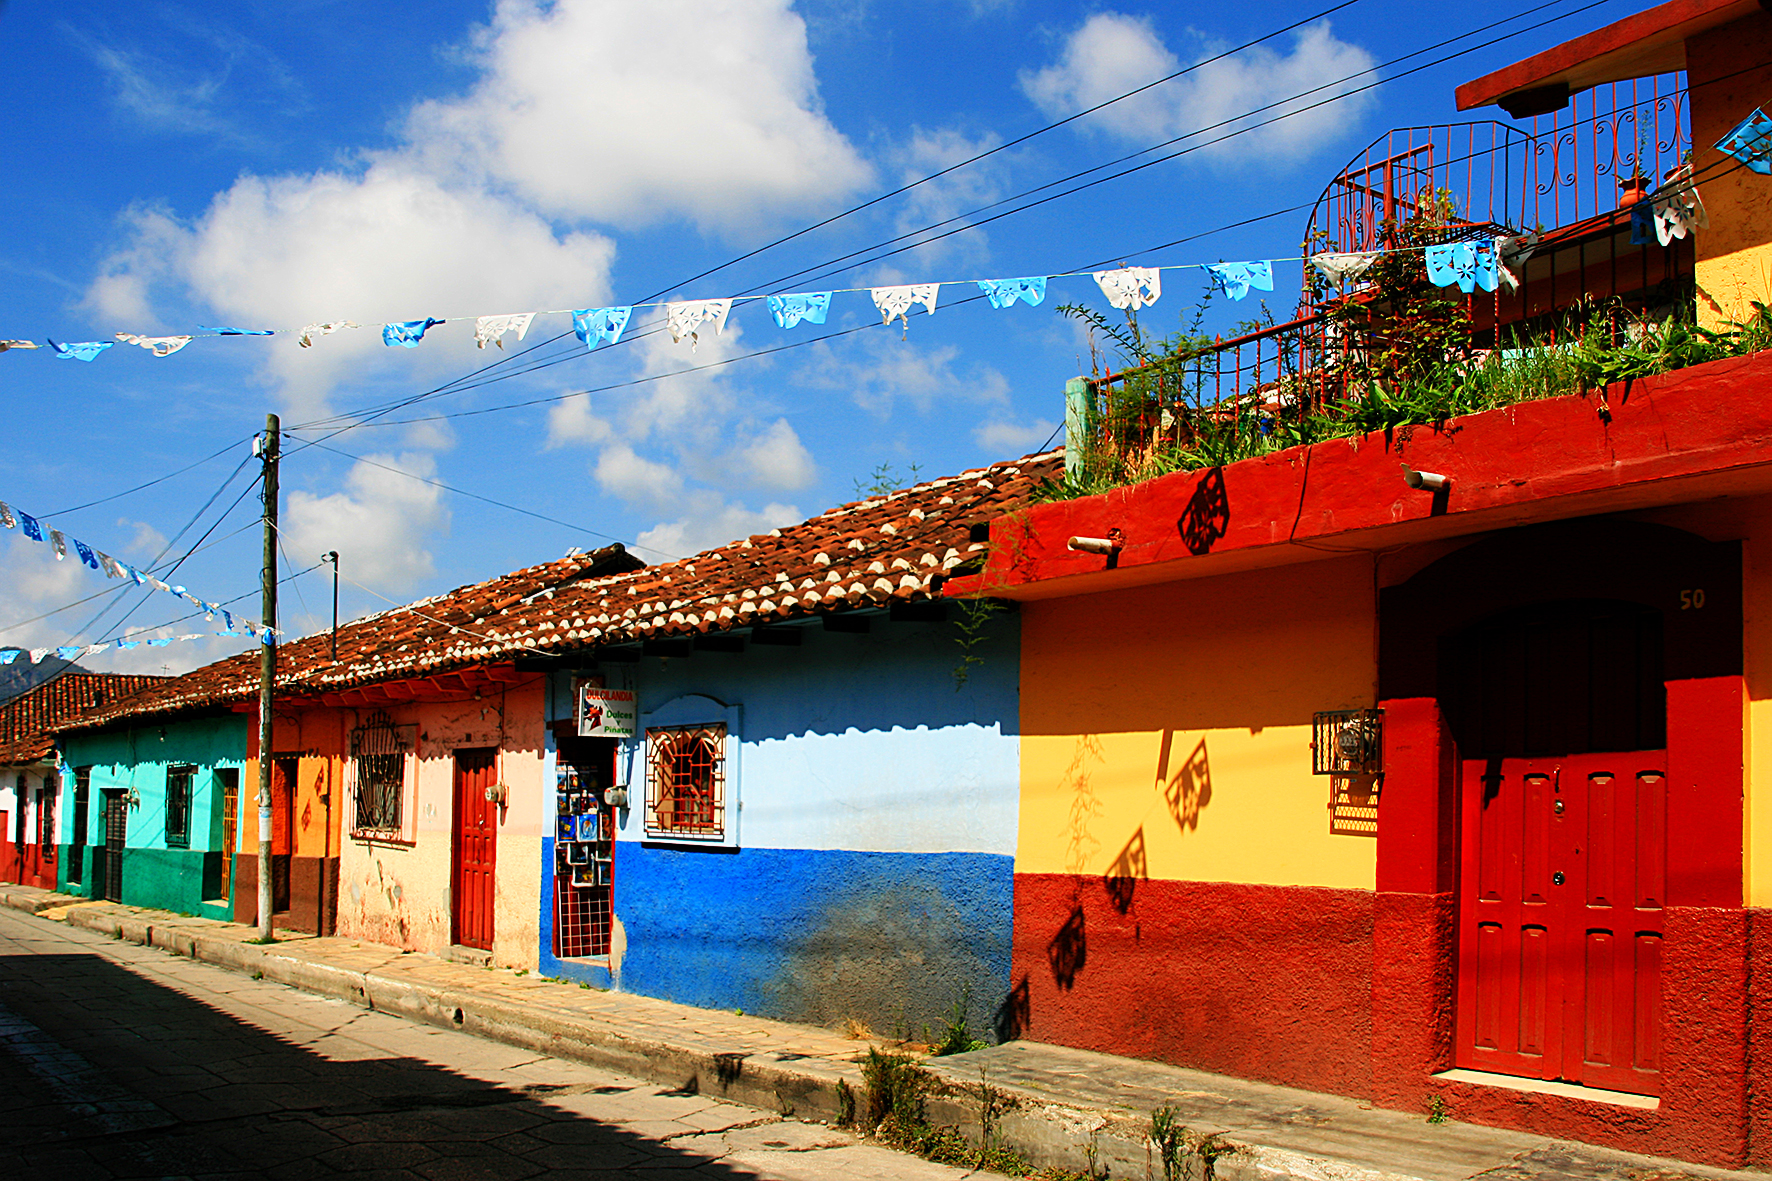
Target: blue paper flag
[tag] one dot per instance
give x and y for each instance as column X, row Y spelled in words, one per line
column 86, row 554
column 1751, row 142
column 224, row 330
column 33, row 529
column 1236, row 278
column 1003, row 292
column 408, row 334
column 85, row 350
column 595, row 325
column 810, row 306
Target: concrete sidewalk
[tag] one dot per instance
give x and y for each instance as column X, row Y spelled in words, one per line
column 1060, row 1107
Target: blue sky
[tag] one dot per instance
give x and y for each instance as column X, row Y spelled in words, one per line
column 279, row 164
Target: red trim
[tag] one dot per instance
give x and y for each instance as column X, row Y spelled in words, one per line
column 1417, row 817
column 1646, row 43
column 1262, row 982
column 1705, row 721
column 1709, row 426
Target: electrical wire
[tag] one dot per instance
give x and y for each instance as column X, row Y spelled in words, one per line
column 465, row 383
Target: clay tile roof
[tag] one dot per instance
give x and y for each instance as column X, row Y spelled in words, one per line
column 819, row 566
column 28, row 720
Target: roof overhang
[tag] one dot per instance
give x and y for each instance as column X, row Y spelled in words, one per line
column 1695, row 434
column 1639, row 46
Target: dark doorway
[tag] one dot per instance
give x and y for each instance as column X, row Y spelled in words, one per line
column 1559, row 713
column 116, row 828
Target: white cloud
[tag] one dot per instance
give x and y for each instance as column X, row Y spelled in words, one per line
column 892, row 368
column 584, row 110
column 711, row 522
column 1112, row 53
column 637, row 479
column 386, row 244
column 379, row 523
column 1008, row 439
column 148, row 541
column 944, row 198
column 775, row 458
column 629, row 113
column 571, row 421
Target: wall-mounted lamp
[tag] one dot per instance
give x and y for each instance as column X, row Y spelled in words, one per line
column 1113, row 543
column 133, row 798
column 615, row 797
column 497, row 793
column 1432, row 481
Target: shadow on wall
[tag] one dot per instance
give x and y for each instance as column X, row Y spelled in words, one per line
column 896, row 676
column 898, row 961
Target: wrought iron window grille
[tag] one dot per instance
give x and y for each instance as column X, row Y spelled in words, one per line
column 1347, row 742
column 686, row 782
column 378, row 755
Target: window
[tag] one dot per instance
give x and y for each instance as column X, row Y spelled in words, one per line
column 46, row 815
column 686, row 781
column 378, row 754
column 178, row 805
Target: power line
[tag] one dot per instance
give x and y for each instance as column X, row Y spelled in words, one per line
column 489, row 500
column 464, row 383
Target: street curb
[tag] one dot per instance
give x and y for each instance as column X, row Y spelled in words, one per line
column 1046, row 1133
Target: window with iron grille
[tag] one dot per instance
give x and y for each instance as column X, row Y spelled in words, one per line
column 686, row 782
column 178, row 805
column 378, row 756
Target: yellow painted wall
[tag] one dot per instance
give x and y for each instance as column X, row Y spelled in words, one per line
column 1730, row 73
column 1166, row 729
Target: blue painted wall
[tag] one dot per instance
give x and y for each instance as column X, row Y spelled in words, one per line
column 136, row 759
column 876, row 813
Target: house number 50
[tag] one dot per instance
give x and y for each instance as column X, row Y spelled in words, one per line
column 1691, row 600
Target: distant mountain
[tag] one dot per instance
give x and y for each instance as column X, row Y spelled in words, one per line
column 21, row 676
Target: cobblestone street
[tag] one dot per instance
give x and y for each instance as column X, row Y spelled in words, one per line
column 125, row 1061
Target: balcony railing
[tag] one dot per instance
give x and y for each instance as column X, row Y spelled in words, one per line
column 1560, row 180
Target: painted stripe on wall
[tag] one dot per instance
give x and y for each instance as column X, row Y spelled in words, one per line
column 891, row 939
column 1261, row 982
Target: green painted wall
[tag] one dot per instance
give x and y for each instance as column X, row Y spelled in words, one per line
column 156, row 871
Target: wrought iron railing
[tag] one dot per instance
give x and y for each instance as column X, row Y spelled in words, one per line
column 1560, row 179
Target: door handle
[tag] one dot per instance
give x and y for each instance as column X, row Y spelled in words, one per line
column 1557, row 878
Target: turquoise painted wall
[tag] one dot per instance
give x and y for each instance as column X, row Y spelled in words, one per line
column 156, row 872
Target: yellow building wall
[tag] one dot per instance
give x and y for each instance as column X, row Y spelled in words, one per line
column 1729, row 71
column 1166, row 729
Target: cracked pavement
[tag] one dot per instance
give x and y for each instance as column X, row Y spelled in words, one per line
column 118, row 1060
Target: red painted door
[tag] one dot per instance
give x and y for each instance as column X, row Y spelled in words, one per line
column 1563, row 849
column 1561, row 921
column 476, row 847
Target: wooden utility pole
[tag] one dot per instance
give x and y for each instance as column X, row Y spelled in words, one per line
column 267, row 673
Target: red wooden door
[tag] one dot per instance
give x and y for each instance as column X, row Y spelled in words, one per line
column 476, row 847
column 1563, row 847
column 1561, row 919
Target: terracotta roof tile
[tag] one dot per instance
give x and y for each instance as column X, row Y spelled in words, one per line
column 28, row 720
column 895, row 547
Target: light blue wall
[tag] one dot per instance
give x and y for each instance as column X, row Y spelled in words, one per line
column 873, row 877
